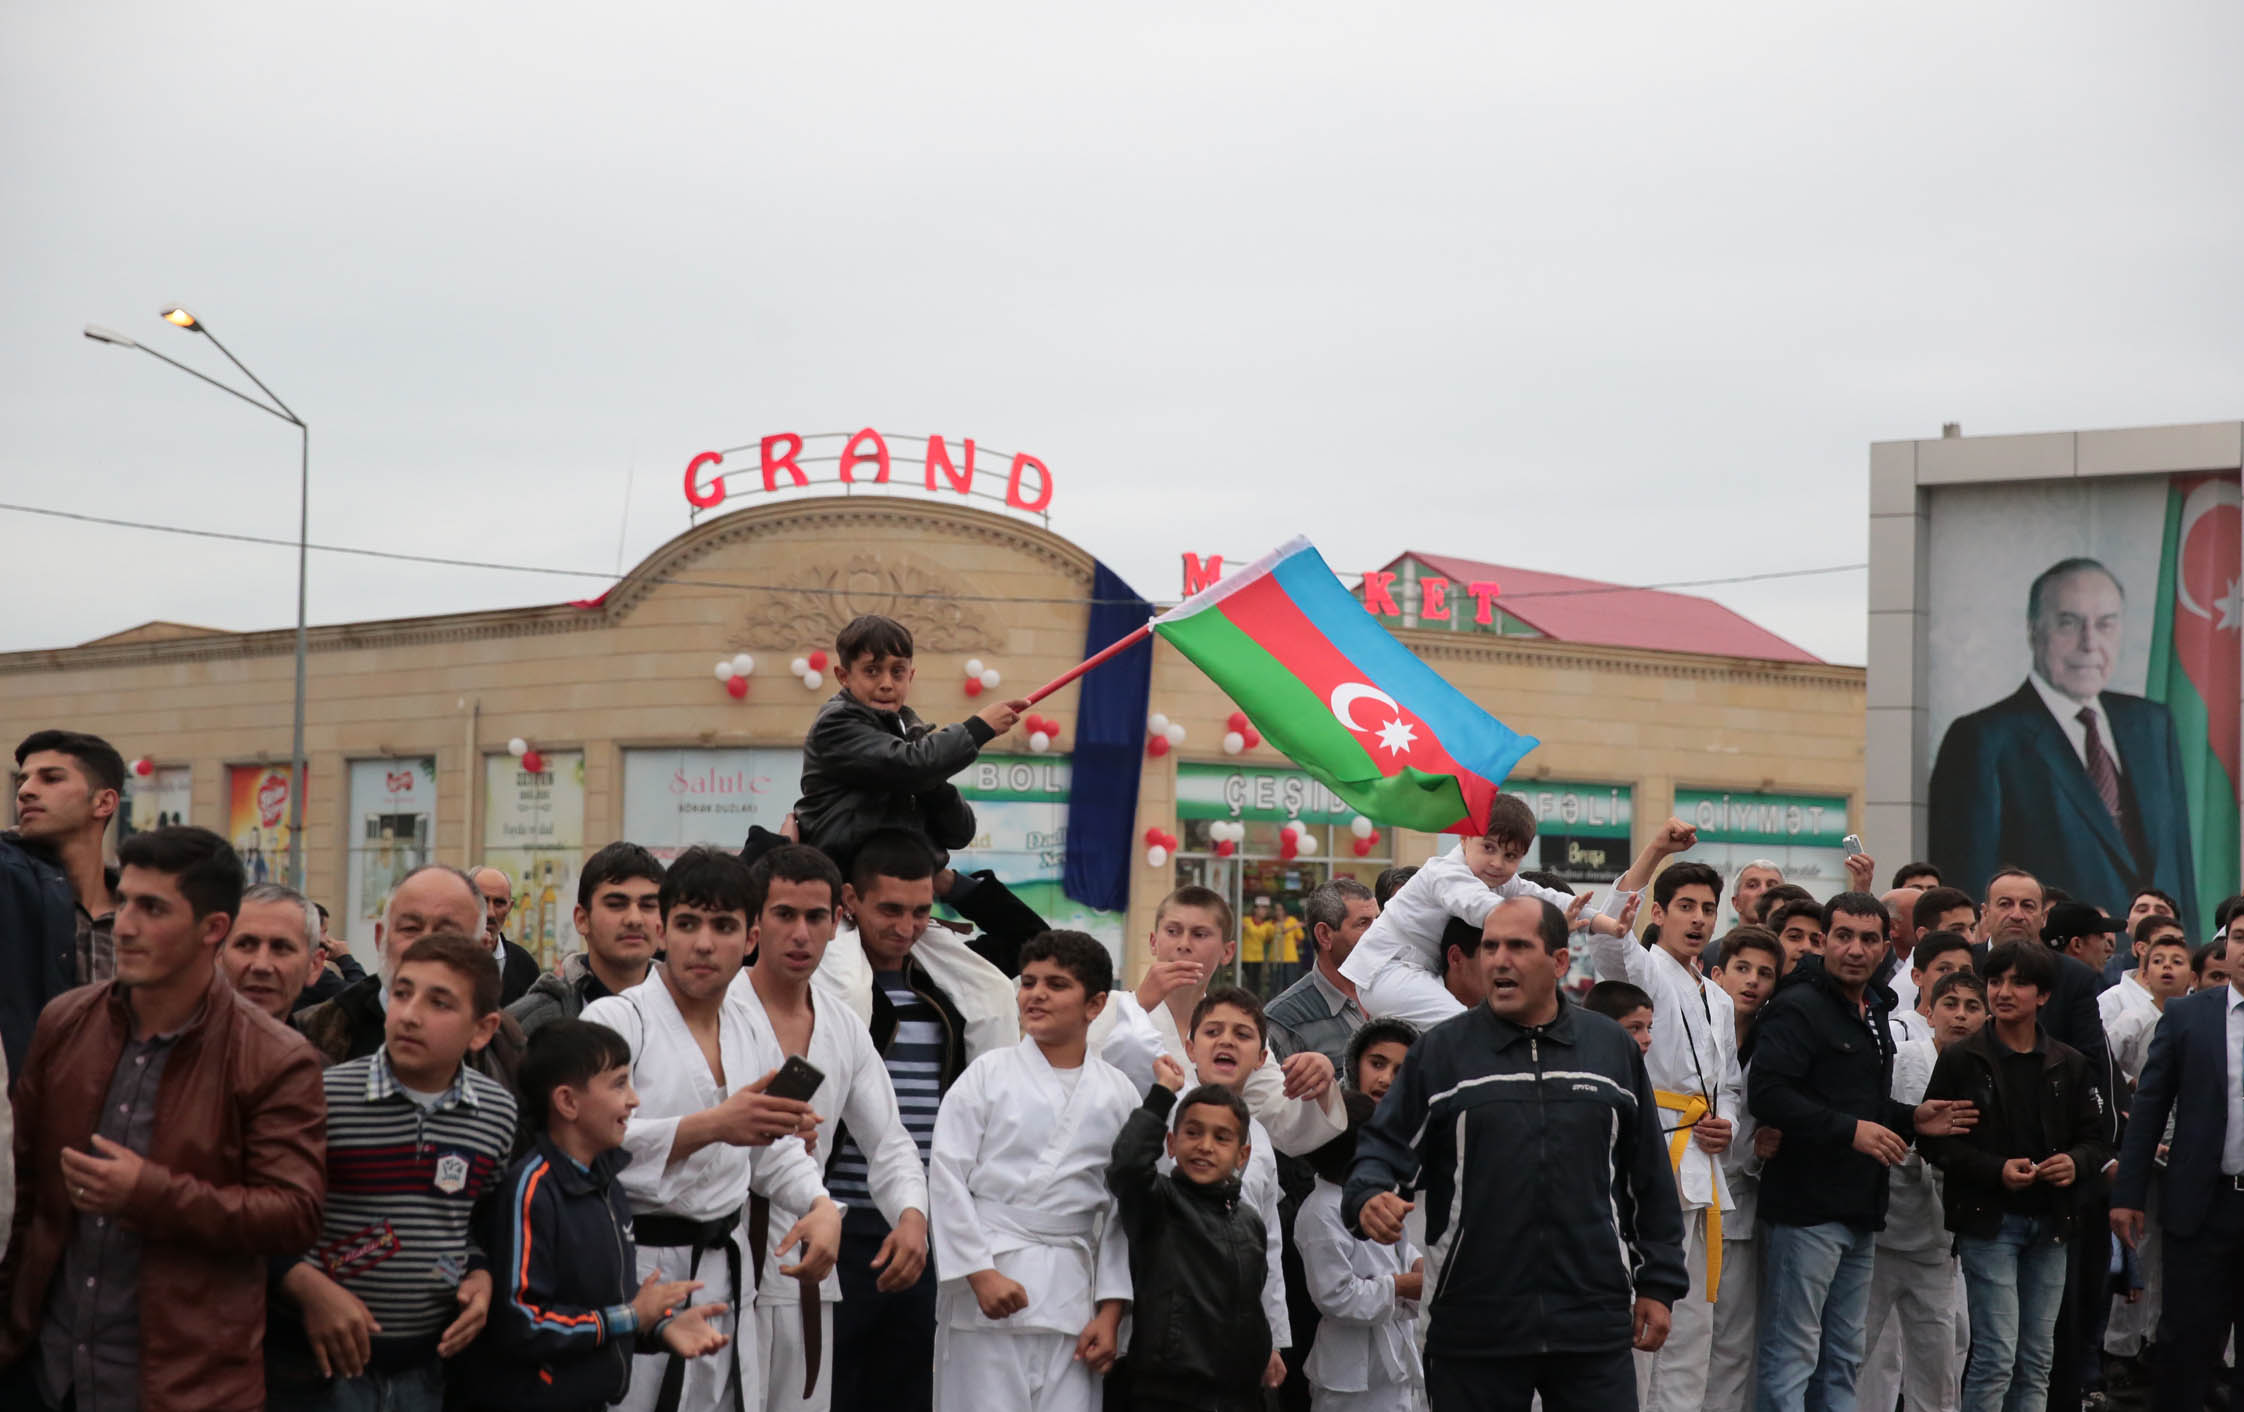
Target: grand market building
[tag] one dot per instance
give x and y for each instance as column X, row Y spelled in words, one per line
column 1645, row 702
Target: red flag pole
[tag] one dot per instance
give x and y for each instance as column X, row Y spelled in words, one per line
column 1118, row 647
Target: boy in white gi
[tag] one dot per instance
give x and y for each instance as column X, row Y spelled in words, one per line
column 1034, row 1266
column 705, row 1136
column 1693, row 1066
column 1752, row 960
column 794, row 893
column 1294, row 1101
column 1397, row 966
column 1366, row 1355
column 1913, row 1274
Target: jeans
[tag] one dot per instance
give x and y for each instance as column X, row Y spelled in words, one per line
column 1815, row 1293
column 2014, row 1283
column 884, row 1344
column 1566, row 1382
column 416, row 1388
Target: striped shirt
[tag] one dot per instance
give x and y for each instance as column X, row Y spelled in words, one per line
column 402, row 1183
column 915, row 1066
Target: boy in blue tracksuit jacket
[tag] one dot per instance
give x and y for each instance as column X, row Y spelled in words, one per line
column 565, row 1320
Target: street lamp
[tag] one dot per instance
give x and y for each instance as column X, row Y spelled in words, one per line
column 298, row 769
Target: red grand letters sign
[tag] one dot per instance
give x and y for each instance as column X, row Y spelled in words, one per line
column 866, row 461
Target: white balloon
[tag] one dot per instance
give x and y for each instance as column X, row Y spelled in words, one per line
column 1310, row 843
column 1157, row 724
column 973, row 666
column 990, row 679
column 799, row 666
column 1175, row 733
column 1360, row 826
column 518, row 747
column 724, row 670
column 1039, row 742
column 1235, row 831
column 1156, row 856
column 743, row 665
column 1233, row 742
column 814, row 680
column 1294, row 826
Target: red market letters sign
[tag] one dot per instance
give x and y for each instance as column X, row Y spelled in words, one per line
column 1435, row 604
column 866, row 460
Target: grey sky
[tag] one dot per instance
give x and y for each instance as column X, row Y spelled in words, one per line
column 1619, row 290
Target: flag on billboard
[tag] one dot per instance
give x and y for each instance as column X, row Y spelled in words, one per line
column 2194, row 665
column 1340, row 697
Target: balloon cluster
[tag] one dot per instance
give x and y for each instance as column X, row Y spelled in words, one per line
column 1295, row 840
column 733, row 673
column 1043, row 731
column 1238, row 735
column 812, row 669
column 1228, row 835
column 144, row 767
column 531, row 759
column 1162, row 735
column 1159, row 844
column 1367, row 835
column 980, row 678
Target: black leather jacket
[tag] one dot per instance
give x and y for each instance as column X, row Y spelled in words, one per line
column 1198, row 1336
column 2074, row 1119
column 865, row 769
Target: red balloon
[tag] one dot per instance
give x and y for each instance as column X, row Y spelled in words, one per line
column 1153, row 837
column 144, row 766
column 1225, row 848
column 1374, row 839
column 1169, row 841
column 973, row 686
column 736, row 687
column 1238, row 722
column 818, row 660
column 1253, row 739
column 1363, row 848
column 1287, row 848
column 533, row 762
column 1158, row 746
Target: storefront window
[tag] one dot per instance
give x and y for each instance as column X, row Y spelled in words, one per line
column 533, row 830
column 1274, row 948
column 1801, row 834
column 156, row 800
column 257, row 819
column 1020, row 818
column 391, row 831
column 674, row 799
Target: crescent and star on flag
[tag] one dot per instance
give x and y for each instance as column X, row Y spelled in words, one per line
column 1396, row 737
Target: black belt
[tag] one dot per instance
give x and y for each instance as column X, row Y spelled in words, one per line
column 657, row 1232
column 808, row 1296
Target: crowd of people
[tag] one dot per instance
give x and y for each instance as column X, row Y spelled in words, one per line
column 780, row 1137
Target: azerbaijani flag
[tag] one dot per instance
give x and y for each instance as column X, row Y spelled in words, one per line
column 1333, row 690
column 2194, row 666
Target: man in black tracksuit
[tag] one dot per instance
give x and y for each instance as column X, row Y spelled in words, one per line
column 1567, row 1249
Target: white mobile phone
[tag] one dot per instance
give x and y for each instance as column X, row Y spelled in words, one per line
column 1851, row 844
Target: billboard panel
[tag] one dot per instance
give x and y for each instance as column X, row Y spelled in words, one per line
column 391, row 827
column 257, row 819
column 533, row 830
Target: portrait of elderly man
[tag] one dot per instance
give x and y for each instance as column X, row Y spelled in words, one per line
column 2078, row 784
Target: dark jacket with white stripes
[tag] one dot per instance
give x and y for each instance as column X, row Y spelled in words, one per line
column 1567, row 1213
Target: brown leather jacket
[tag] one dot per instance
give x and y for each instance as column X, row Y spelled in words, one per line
column 237, row 1173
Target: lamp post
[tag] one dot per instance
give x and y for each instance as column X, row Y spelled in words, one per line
column 297, row 767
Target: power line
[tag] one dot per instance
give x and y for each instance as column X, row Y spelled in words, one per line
column 606, row 576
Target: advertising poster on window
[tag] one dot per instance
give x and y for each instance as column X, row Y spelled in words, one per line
column 674, row 799
column 533, row 830
column 1800, row 833
column 257, row 819
column 1020, row 836
column 391, row 829
column 155, row 801
column 2080, row 686
column 1581, row 830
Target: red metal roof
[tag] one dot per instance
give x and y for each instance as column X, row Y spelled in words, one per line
column 1613, row 615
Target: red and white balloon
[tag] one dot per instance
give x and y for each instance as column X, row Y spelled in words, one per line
column 1366, row 835
column 1159, row 845
column 144, row 767
column 531, row 760
column 1043, row 732
column 811, row 669
column 1227, row 835
column 733, row 672
column 1162, row 734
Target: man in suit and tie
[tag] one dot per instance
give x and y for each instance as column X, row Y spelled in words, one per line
column 2195, row 1072
column 2077, row 784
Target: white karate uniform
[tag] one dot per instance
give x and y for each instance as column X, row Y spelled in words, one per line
column 983, row 995
column 856, row 1091
column 1694, row 1036
column 1909, row 1333
column 1730, row 1363
column 2130, row 1015
column 674, row 1082
column 1904, row 990
column 1365, row 1358
column 1260, row 1193
column 1397, row 966
column 1017, row 1179
column 1129, row 1037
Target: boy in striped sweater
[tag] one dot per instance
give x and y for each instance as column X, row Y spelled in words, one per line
column 415, row 1138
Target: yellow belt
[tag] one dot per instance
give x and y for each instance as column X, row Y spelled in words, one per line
column 1688, row 1108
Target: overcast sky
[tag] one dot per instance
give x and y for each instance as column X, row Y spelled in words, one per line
column 1617, row 290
